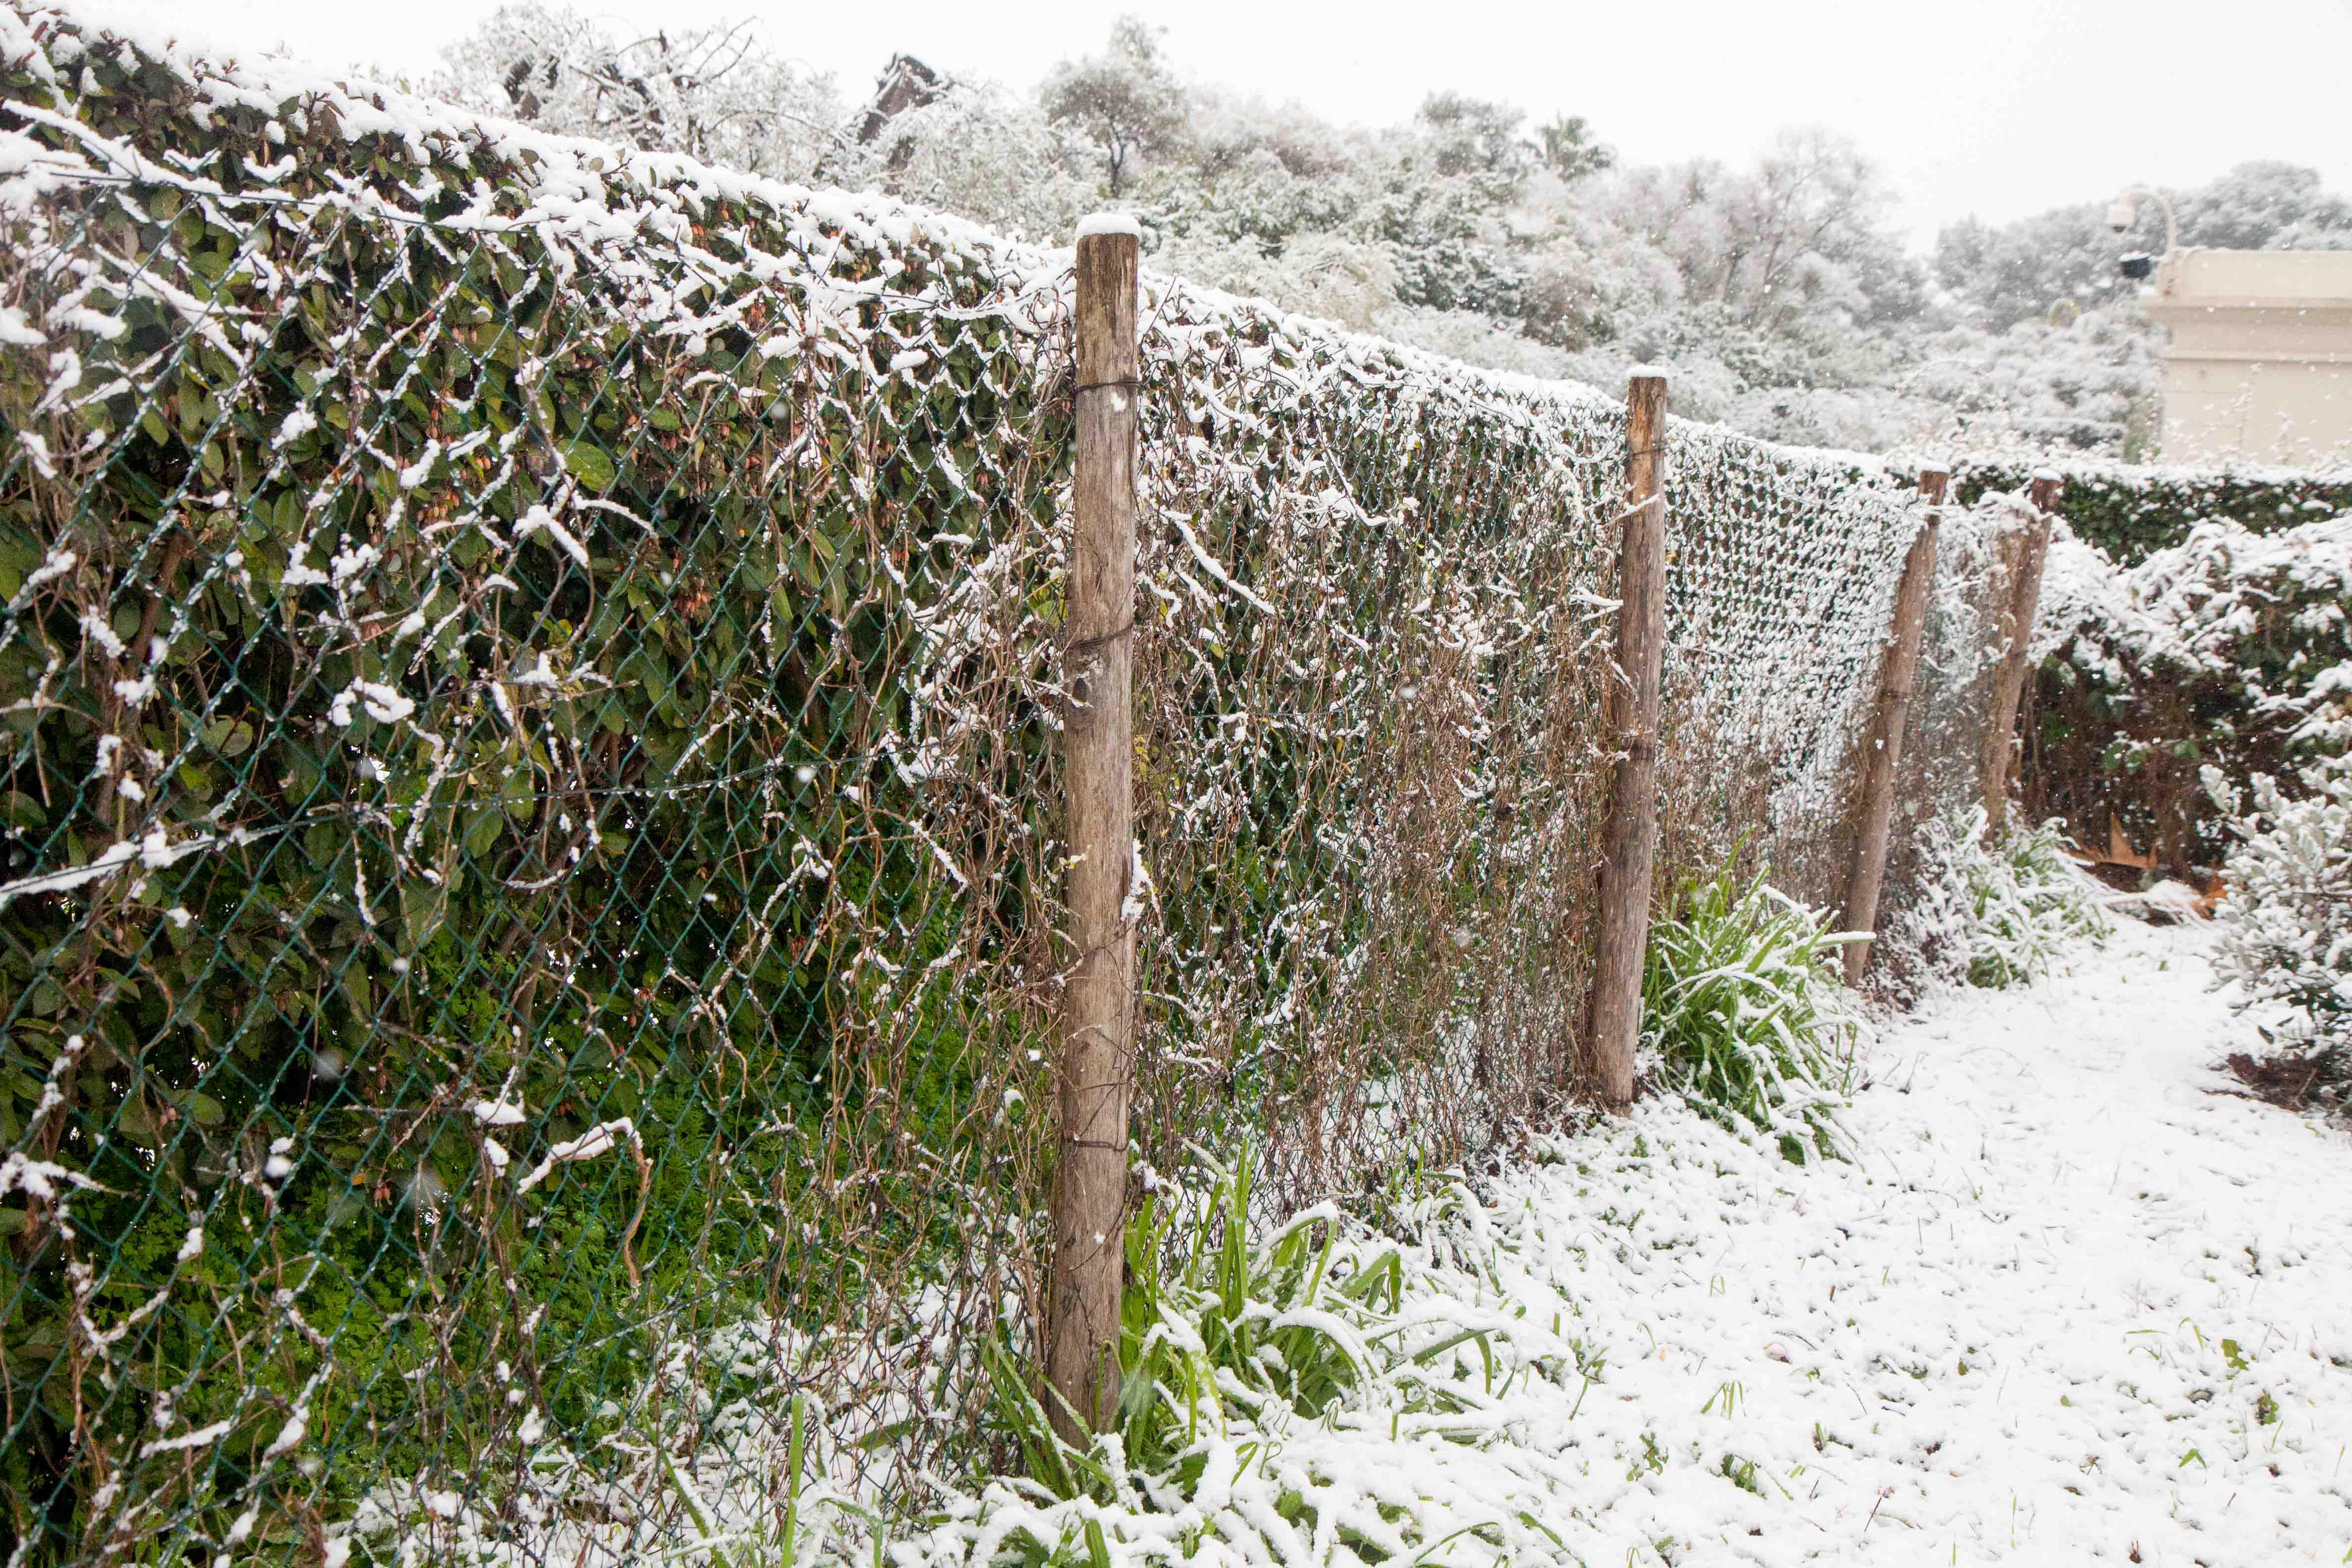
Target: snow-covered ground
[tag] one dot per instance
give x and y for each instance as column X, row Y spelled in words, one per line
column 2077, row 1301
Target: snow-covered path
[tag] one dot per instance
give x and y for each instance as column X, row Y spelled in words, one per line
column 2076, row 1302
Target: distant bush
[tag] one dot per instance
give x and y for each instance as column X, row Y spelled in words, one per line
column 2131, row 512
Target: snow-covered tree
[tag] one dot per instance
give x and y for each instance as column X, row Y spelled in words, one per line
column 1328, row 275
column 715, row 93
column 2085, row 384
column 1125, row 100
column 1779, row 289
column 1263, row 172
column 1570, row 150
column 1804, row 233
column 2257, row 205
column 984, row 153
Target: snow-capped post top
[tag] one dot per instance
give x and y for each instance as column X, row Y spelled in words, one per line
column 1648, row 373
column 1110, row 223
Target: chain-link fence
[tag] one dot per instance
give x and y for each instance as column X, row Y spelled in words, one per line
column 1981, row 557
column 528, row 947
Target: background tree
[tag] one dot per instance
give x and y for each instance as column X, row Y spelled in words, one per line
column 1124, row 100
column 1778, row 289
column 1569, row 149
column 714, row 92
column 2001, row 274
column 1804, row 233
column 980, row 151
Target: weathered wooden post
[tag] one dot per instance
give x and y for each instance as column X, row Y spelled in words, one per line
column 1097, row 1047
column 2032, row 549
column 1630, row 840
column 1898, row 671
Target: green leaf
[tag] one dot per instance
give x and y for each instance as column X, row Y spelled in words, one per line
column 591, row 465
column 134, row 1122
column 228, row 737
column 482, row 829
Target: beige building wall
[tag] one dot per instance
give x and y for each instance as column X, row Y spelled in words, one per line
column 2260, row 366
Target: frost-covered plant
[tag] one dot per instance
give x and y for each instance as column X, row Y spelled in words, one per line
column 1742, row 1005
column 1272, row 1387
column 981, row 153
column 1992, row 916
column 1344, row 281
column 2233, row 647
column 2025, row 900
column 719, row 92
column 1255, row 1327
column 733, row 1462
column 2286, row 925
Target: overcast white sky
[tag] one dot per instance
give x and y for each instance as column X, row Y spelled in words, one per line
column 1994, row 107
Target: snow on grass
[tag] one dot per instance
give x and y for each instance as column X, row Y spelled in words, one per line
column 2075, row 1302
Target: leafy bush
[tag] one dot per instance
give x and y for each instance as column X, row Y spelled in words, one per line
column 2131, row 512
column 2026, row 899
column 1742, row 1004
column 2286, row 925
column 1995, row 917
column 2232, row 649
column 651, row 639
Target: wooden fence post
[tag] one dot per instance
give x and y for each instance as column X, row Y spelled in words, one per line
column 2017, row 636
column 1097, row 1047
column 1897, row 672
column 1630, row 840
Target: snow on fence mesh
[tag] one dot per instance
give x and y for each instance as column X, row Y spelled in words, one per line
column 528, row 935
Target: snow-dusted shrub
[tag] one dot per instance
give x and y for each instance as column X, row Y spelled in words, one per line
column 1338, row 279
column 2286, row 925
column 718, row 93
column 2233, row 648
column 1994, row 916
column 2130, row 511
column 1744, row 1014
column 2025, row 900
